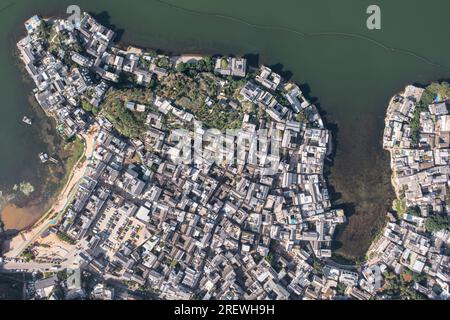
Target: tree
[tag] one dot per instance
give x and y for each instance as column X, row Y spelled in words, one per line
column 64, row 237
column 28, row 255
column 434, row 89
column 87, row 106
column 224, row 63
column 400, row 206
column 181, row 67
column 318, row 267
column 270, row 258
column 415, row 122
column 44, row 30
column 125, row 121
column 62, row 275
column 209, row 64
column 257, row 257
column 437, row 223
column 163, row 62
column 415, row 211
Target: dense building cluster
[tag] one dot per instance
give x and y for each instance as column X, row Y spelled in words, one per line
column 417, row 239
column 253, row 225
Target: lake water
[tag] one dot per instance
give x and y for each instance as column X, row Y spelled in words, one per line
column 351, row 70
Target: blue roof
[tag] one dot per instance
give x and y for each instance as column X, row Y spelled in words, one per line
column 130, row 105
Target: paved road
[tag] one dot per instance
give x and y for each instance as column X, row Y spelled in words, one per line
column 34, row 266
column 69, row 261
column 342, row 266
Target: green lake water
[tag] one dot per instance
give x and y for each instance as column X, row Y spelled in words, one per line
column 325, row 44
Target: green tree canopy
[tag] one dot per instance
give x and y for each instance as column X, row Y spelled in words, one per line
column 437, row 223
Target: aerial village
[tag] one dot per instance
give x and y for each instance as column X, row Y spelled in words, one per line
column 232, row 229
column 416, row 239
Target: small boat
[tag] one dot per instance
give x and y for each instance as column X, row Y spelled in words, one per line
column 27, row 120
column 43, row 157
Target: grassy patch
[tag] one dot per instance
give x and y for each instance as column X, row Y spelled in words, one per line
column 64, row 237
column 128, row 123
column 73, row 151
column 400, row 206
column 224, row 63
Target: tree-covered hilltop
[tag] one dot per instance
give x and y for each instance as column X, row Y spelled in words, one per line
column 194, row 89
column 401, row 286
column 435, row 89
column 201, row 94
column 128, row 123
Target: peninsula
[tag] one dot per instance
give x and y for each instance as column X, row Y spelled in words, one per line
column 203, row 178
column 415, row 243
column 251, row 200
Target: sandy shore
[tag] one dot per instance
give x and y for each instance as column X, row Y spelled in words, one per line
column 17, row 218
column 17, row 244
column 189, row 57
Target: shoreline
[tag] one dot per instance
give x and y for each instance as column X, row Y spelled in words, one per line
column 178, row 57
column 51, row 216
column 397, row 192
column 44, row 193
column 36, row 204
column 30, row 206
